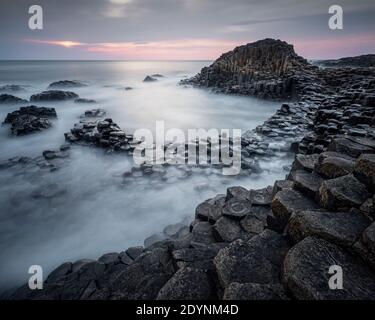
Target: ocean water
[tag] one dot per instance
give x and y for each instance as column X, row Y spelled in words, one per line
column 95, row 212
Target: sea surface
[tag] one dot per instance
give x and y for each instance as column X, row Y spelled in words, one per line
column 96, row 212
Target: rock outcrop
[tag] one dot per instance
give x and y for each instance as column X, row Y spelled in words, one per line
column 267, row 68
column 10, row 99
column 54, row 95
column 30, row 119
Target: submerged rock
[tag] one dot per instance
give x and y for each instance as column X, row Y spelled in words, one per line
column 149, row 79
column 54, row 95
column 8, row 98
column 67, row 84
column 30, row 119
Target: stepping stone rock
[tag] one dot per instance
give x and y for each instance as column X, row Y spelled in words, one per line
column 67, row 84
column 307, row 183
column 237, row 192
column 305, row 162
column 364, row 170
column 349, row 147
column 306, row 276
column 54, row 95
column 342, row 228
column 261, row 197
column 210, row 210
column 188, row 284
column 257, row 260
column 8, row 98
column 333, row 166
column 254, row 291
column 287, row 202
column 281, row 185
column 236, row 208
column 342, row 193
column 228, row 230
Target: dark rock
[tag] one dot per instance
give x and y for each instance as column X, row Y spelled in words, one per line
column 149, row 79
column 30, row 119
column 287, row 202
column 8, row 98
column 83, row 100
column 350, row 147
column 254, row 291
column 257, row 260
column 134, row 252
column 228, row 230
column 110, row 258
column 343, row 192
column 305, row 182
column 236, row 208
column 342, row 228
column 54, row 95
column 364, row 170
column 12, row 88
column 332, row 165
column 187, row 284
column 305, row 162
column 67, row 84
column 261, row 197
column 306, row 274
column 237, row 192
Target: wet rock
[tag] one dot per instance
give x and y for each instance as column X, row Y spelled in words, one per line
column 343, row 192
column 332, row 165
column 149, row 79
column 210, row 210
column 143, row 279
column 134, row 252
column 202, row 232
column 256, row 221
column 236, row 208
column 287, row 202
column 349, row 147
column 12, row 88
column 342, row 228
column 306, row 276
column 83, row 100
column 281, row 185
column 364, row 170
column 8, row 98
column 256, row 261
column 305, row 182
column 305, row 162
column 261, row 197
column 25, row 124
column 254, row 291
column 67, row 84
column 54, row 95
column 110, row 258
column 228, row 230
column 187, row 284
column 237, row 192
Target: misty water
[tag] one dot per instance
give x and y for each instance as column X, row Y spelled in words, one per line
column 96, row 212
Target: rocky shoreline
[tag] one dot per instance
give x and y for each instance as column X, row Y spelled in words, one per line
column 271, row 243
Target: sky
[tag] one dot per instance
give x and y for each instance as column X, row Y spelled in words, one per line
column 180, row 29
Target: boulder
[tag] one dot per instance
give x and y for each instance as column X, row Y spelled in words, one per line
column 364, row 170
column 228, row 230
column 54, row 95
column 334, row 166
column 10, row 99
column 306, row 182
column 349, row 147
column 67, row 84
column 257, row 260
column 149, row 79
column 306, row 267
column 305, row 162
column 261, row 197
column 342, row 228
column 254, row 291
column 287, row 202
column 342, row 193
column 237, row 192
column 188, row 284
column 236, row 208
